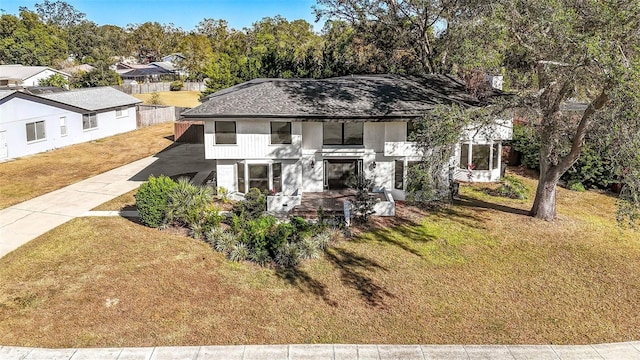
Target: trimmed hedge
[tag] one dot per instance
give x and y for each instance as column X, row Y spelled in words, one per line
column 152, row 200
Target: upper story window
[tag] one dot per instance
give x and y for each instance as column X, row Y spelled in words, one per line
column 36, row 131
column 350, row 133
column 89, row 121
column 280, row 132
column 225, row 132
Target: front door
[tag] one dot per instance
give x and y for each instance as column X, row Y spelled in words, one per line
column 338, row 172
column 4, row 149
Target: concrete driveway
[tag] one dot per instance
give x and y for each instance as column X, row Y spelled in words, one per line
column 24, row 222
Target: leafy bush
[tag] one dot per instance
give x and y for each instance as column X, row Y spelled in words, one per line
column 223, row 194
column 176, row 85
column 257, row 232
column 512, row 187
column 253, row 205
column 283, row 232
column 152, row 200
column 155, row 99
column 576, row 186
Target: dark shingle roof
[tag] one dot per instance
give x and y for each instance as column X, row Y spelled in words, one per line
column 376, row 96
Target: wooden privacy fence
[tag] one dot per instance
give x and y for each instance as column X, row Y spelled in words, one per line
column 151, row 115
column 189, row 132
column 147, row 88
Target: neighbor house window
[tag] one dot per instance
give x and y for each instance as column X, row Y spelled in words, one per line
column 63, row 126
column 89, row 121
column 281, row 132
column 225, row 132
column 35, row 131
column 342, row 133
column 120, row 112
column 277, row 177
column 399, row 175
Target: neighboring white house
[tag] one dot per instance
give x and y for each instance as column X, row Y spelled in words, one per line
column 14, row 76
column 297, row 136
column 31, row 124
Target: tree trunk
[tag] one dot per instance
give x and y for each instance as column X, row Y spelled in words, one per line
column 544, row 205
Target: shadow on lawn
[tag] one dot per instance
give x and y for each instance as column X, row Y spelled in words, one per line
column 305, row 283
column 352, row 269
column 352, row 273
column 470, row 202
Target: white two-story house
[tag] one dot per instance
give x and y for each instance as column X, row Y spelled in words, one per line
column 296, row 136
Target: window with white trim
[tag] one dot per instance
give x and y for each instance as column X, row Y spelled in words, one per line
column 225, row 132
column 349, row 133
column 122, row 112
column 479, row 156
column 36, row 131
column 63, row 126
column 89, row 121
column 266, row 177
column 280, row 132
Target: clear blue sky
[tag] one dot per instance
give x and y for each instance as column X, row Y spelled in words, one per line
column 183, row 13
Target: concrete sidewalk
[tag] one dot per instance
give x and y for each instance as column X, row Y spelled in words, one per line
column 24, row 222
column 617, row 351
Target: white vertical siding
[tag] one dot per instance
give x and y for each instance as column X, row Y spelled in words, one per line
column 226, row 175
column 17, row 112
column 253, row 141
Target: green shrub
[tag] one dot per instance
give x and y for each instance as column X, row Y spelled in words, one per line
column 511, row 187
column 323, row 239
column 213, row 235
column 260, row 257
column 226, row 242
column 576, row 186
column 288, row 255
column 257, row 232
column 282, row 233
column 211, row 218
column 189, row 203
column 239, row 252
column 526, row 141
column 253, row 205
column 176, row 85
column 152, row 200
column 196, row 231
column 308, row 248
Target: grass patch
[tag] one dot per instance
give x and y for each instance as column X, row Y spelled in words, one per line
column 477, row 272
column 32, row 176
column 174, row 98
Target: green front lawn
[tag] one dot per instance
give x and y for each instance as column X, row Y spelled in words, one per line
column 478, row 272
